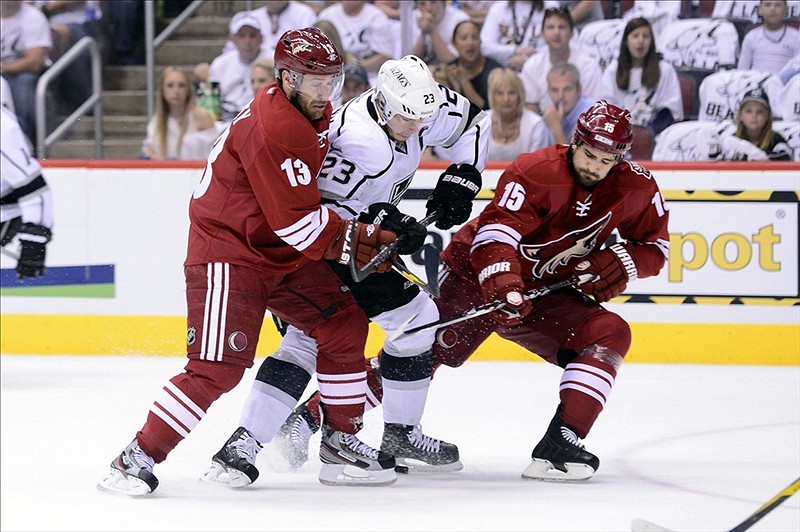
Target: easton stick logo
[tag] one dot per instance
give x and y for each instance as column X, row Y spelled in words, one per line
column 549, row 256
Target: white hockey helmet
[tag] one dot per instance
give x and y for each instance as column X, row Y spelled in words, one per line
column 405, row 87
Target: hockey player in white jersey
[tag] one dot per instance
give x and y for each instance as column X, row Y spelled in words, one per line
column 27, row 212
column 377, row 141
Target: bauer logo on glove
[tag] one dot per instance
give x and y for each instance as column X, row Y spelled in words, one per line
column 458, row 180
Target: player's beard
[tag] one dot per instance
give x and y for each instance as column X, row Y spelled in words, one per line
column 306, row 108
column 585, row 182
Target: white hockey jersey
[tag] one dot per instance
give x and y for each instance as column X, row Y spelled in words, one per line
column 700, row 43
column 364, row 166
column 600, row 40
column 721, row 93
column 23, row 190
column 790, row 98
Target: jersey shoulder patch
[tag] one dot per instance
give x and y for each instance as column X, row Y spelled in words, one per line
column 638, row 169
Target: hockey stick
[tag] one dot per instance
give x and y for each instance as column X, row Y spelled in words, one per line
column 430, row 256
column 492, row 306
column 359, row 274
column 642, row 525
column 430, row 259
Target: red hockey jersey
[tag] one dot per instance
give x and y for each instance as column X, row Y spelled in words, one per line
column 552, row 221
column 257, row 203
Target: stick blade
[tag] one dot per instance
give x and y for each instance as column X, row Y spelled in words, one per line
column 643, row 525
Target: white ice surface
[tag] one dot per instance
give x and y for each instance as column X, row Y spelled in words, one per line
column 688, row 447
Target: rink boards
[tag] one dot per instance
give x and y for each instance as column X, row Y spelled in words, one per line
column 114, row 285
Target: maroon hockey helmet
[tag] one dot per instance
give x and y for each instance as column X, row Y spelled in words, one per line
column 606, row 127
column 307, row 51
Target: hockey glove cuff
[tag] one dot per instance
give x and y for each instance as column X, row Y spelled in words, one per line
column 410, row 233
column 367, row 241
column 500, row 277
column 33, row 239
column 453, row 195
column 613, row 267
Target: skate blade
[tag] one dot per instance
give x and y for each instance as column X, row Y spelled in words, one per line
column 411, row 466
column 347, row 475
column 544, row 470
column 227, row 477
column 120, row 483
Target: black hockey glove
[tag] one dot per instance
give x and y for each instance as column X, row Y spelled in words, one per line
column 453, row 195
column 410, row 233
column 33, row 239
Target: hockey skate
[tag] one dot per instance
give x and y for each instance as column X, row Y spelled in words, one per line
column 235, row 464
column 294, row 435
column 347, row 461
column 131, row 472
column 561, row 456
column 417, row 453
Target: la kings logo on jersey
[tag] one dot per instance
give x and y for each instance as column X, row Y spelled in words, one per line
column 547, row 257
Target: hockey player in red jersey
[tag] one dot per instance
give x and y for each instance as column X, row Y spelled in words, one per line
column 257, row 241
column 552, row 212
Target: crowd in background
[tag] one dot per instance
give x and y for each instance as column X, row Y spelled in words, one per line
column 535, row 65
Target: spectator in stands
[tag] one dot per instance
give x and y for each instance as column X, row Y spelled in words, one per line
column 641, row 82
column 435, row 22
column 583, row 11
column 275, row 18
column 476, row 9
column 515, row 129
column 510, row 33
column 390, row 7
column 445, row 76
column 70, row 22
column 316, row 5
column 365, row 32
column 262, row 74
column 557, row 31
column 392, row 10
column 173, row 8
column 356, row 81
column 658, row 13
column 567, row 102
column 24, row 43
column 769, row 47
column 471, row 67
column 232, row 69
column 179, row 129
column 126, row 20
column 754, row 125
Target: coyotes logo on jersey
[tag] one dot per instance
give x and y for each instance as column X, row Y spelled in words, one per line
column 576, row 244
